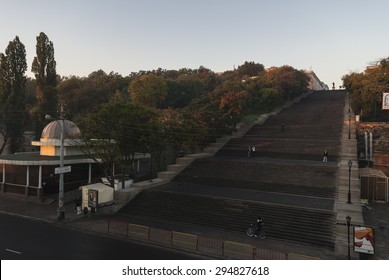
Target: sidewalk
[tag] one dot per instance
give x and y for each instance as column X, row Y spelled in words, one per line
column 45, row 212
column 31, row 208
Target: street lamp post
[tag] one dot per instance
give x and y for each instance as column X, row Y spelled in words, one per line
column 61, row 200
column 348, row 219
column 350, row 164
column 349, row 103
column 349, row 126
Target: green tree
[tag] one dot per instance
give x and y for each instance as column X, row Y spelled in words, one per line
column 148, row 90
column 116, row 132
column 269, row 98
column 288, row 81
column 44, row 68
column 83, row 95
column 182, row 91
column 354, row 84
column 204, row 120
column 234, row 104
column 13, row 66
column 198, row 122
column 250, row 69
column 366, row 90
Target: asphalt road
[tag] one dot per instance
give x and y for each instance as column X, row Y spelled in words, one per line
column 27, row 239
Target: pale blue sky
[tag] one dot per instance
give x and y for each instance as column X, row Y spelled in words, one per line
column 330, row 37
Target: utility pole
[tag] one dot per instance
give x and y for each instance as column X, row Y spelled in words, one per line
column 61, row 209
column 61, row 200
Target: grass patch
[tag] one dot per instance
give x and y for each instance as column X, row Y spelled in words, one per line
column 251, row 117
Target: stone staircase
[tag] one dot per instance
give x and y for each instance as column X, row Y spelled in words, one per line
column 297, row 225
column 213, row 148
column 182, row 162
column 286, row 183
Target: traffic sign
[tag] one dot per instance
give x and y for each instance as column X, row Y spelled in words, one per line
column 61, row 170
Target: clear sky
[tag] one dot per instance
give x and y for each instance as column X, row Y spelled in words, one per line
column 330, row 37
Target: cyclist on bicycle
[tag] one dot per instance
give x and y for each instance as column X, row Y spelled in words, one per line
column 259, row 226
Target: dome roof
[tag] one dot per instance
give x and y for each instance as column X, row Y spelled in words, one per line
column 53, row 130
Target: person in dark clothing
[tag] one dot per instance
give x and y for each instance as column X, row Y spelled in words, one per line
column 325, row 156
column 259, row 225
column 78, row 206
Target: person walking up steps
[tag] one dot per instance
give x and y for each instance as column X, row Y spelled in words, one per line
column 325, row 156
column 253, row 151
column 259, row 226
column 249, row 152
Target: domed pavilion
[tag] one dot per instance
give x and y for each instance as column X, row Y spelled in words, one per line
column 50, row 143
column 33, row 173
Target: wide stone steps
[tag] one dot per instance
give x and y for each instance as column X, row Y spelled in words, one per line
column 325, row 191
column 306, row 226
column 182, row 162
column 315, row 132
column 226, row 191
column 283, row 177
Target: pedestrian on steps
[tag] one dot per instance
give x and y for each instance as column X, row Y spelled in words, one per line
column 325, row 156
column 253, row 151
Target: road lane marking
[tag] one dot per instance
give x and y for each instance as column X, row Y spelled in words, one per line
column 24, row 216
column 13, row 251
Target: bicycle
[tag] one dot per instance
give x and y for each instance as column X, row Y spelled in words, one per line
column 252, row 230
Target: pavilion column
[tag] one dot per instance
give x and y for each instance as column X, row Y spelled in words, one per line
column 40, row 190
column 3, row 172
column 27, row 179
column 90, row 173
column 3, row 182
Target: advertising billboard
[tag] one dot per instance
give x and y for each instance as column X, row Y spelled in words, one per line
column 385, row 101
column 93, row 198
column 364, row 240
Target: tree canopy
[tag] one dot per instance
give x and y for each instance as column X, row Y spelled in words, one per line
column 44, row 68
column 146, row 111
column 13, row 66
column 366, row 90
column 189, row 107
column 148, row 90
column 250, row 69
column 115, row 132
